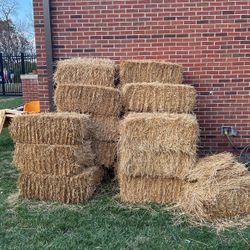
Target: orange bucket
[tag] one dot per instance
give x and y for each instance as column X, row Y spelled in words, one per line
column 33, row 106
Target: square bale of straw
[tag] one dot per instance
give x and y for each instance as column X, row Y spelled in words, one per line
column 158, row 97
column 105, row 128
column 74, row 189
column 218, row 187
column 149, row 190
column 95, row 100
column 169, row 164
column 106, row 153
column 61, row 160
column 132, row 71
column 85, row 71
column 51, row 128
column 159, row 132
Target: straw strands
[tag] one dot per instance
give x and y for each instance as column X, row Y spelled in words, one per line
column 157, row 97
column 208, row 201
column 105, row 128
column 132, row 71
column 106, row 153
column 54, row 153
column 148, row 189
column 63, row 160
column 220, row 188
column 217, row 167
column 93, row 93
column 51, row 128
column 85, row 71
column 169, row 164
column 75, row 189
column 159, row 132
column 94, row 100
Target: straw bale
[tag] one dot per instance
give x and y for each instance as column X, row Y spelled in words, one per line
column 85, row 71
column 157, row 97
column 216, row 167
column 106, row 153
column 105, row 128
column 169, row 164
column 95, row 100
column 75, row 189
column 51, row 128
column 63, row 160
column 148, row 189
column 132, row 71
column 212, row 200
column 159, row 132
column 219, row 187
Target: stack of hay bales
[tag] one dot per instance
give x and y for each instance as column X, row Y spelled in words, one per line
column 217, row 187
column 159, row 138
column 53, row 152
column 86, row 85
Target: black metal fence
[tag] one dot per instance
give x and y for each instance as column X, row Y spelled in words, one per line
column 11, row 68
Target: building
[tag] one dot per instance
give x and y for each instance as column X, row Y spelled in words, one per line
column 210, row 38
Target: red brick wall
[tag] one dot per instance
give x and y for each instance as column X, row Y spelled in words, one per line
column 29, row 88
column 210, row 38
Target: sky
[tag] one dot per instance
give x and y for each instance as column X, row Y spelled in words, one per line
column 24, row 14
column 24, row 9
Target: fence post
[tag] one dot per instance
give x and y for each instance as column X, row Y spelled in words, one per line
column 2, row 75
column 22, row 64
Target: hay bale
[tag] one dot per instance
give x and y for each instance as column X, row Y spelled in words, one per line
column 169, row 164
column 85, row 71
column 220, row 188
column 209, row 201
column 216, row 167
column 148, row 189
column 132, row 71
column 94, row 100
column 75, row 189
column 159, row 132
column 106, row 153
column 157, row 97
column 51, row 128
column 62, row 160
column 105, row 128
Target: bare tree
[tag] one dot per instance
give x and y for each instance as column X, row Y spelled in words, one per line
column 26, row 27
column 7, row 9
column 12, row 38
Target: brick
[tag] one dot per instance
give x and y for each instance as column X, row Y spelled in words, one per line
column 245, row 16
column 226, row 47
column 76, row 16
column 71, row 29
column 202, row 21
column 228, row 12
column 167, row 18
column 89, row 50
column 77, row 50
column 210, row 38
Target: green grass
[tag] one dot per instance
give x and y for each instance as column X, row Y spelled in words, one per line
column 102, row 223
column 10, row 102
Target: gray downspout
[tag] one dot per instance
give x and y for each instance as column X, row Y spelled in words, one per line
column 49, row 53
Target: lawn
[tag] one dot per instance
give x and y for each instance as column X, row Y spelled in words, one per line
column 102, row 223
column 10, row 102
